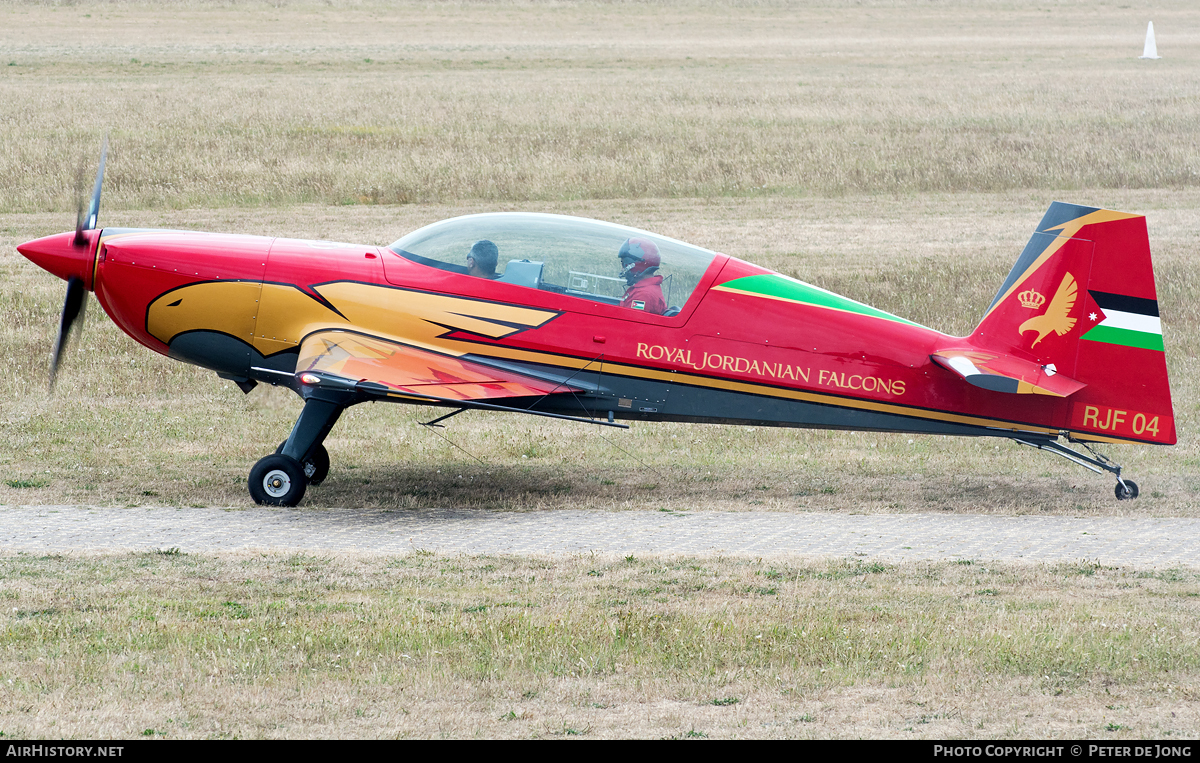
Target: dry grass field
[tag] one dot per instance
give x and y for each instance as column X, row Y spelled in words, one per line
column 899, row 153
column 168, row 645
column 213, row 104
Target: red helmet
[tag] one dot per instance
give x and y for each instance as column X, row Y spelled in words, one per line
column 639, row 257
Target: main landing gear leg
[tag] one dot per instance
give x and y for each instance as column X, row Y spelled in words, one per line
column 281, row 478
column 1125, row 490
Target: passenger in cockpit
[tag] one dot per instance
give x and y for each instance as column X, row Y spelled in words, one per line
column 481, row 262
column 639, row 264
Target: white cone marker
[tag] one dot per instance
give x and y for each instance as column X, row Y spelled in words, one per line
column 1151, row 50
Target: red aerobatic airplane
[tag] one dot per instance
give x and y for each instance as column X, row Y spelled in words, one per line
column 586, row 320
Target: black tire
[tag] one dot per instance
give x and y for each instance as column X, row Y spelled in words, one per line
column 1126, row 492
column 277, row 480
column 317, row 467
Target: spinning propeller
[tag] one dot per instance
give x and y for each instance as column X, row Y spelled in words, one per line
column 76, row 301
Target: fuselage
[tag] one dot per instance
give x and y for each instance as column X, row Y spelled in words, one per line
column 748, row 345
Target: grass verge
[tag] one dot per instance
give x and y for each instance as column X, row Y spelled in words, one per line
column 425, row 645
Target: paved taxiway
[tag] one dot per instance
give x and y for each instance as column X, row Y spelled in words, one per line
column 1123, row 542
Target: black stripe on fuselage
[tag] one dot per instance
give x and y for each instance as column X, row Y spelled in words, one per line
column 1125, row 304
column 678, row 400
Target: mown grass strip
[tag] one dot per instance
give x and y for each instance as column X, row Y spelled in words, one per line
column 78, row 626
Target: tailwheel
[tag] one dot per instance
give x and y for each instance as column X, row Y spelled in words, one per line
column 277, row 480
column 316, row 466
column 1126, row 490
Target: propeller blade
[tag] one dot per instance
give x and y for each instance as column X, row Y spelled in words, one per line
column 73, row 309
column 88, row 222
column 79, row 240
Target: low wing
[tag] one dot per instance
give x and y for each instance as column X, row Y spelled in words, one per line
column 1004, row 373
column 407, row 369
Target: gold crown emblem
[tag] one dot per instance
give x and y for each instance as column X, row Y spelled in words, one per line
column 1031, row 299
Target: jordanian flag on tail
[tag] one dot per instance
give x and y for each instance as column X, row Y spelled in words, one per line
column 1128, row 321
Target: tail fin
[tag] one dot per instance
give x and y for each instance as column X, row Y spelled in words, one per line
column 1081, row 302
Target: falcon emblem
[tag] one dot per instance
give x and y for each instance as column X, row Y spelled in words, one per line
column 1056, row 318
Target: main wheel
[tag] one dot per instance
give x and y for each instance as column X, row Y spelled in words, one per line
column 1126, row 492
column 277, row 481
column 316, row 467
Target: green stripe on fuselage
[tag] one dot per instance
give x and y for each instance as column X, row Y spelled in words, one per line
column 1126, row 337
column 791, row 290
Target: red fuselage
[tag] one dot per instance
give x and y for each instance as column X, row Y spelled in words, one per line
column 748, row 345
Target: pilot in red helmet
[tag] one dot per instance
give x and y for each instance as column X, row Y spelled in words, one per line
column 643, row 289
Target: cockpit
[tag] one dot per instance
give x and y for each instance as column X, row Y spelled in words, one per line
column 573, row 256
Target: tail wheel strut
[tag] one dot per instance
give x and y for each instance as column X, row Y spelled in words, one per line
column 1096, row 462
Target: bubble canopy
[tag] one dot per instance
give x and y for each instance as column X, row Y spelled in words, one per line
column 567, row 255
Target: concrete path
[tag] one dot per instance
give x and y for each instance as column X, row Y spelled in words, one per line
column 1141, row 543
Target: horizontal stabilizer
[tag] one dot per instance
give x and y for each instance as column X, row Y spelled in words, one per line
column 1004, row 373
